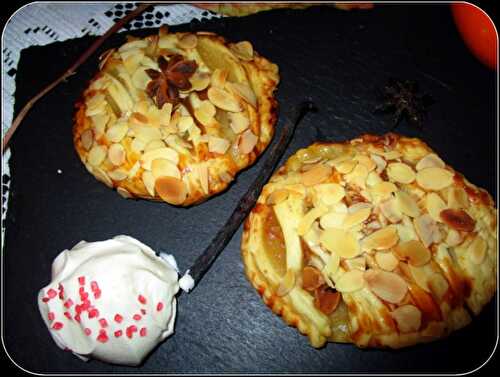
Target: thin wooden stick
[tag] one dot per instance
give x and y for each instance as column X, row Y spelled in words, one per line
column 71, row 70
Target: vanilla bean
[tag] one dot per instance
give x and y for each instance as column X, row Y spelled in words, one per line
column 70, row 71
column 219, row 242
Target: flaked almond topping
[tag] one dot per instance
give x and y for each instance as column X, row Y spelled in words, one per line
column 185, row 123
column 458, row 219
column 391, row 211
column 99, row 124
column 357, row 217
column 413, row 251
column 277, row 196
column 199, row 81
column 420, row 275
column 87, row 139
column 329, row 193
column 149, row 182
column 140, row 78
column 117, row 174
column 317, row 174
column 332, row 220
column 382, row 239
column 287, row 283
column 358, row 176
column 155, row 144
column 438, row 285
column 351, row 281
column 434, row 205
column 453, row 238
column 219, row 77
column 188, row 41
column 218, row 145
column 138, row 118
column 311, row 278
column 96, row 155
column 477, row 250
column 238, row 122
column 380, row 162
column 202, row 170
column 326, row 299
column 366, row 161
column 247, row 142
column 165, row 153
column 426, row 228
column 134, row 169
column 430, row 161
column 383, row 190
column 116, row 154
column 205, row 113
column 170, row 189
column 164, row 168
column 400, row 172
column 386, row 260
column 243, row 50
column 332, row 266
column 408, row 317
column 407, row 204
column 223, row 100
column 434, row 178
column 124, row 193
column 310, row 217
column 457, row 198
column 137, row 146
column 387, row 285
column 146, row 133
column 340, row 242
column 358, row 263
column 102, row 176
column 345, row 167
column 244, row 92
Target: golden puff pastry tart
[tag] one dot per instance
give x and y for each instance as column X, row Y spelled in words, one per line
column 375, row 242
column 175, row 116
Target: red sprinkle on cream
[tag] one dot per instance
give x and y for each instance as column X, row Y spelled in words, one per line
column 85, row 305
column 51, row 316
column 68, row 303
column 57, row 326
column 94, row 286
column 130, row 331
column 67, row 315
column 93, row 313
column 87, row 331
column 118, row 333
column 45, row 299
column 118, row 318
column 143, row 332
column 97, row 294
column 137, row 317
column 159, row 307
column 51, row 293
column 81, row 280
column 102, row 337
column 143, row 311
column 77, row 318
column 142, row 299
column 103, row 322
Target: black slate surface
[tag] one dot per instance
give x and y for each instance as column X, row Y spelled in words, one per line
column 335, row 58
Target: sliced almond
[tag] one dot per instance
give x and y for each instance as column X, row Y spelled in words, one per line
column 434, row 205
column 238, row 122
column 165, row 153
column 96, row 155
column 332, row 220
column 171, row 190
column 407, row 204
column 329, row 193
column 358, row 176
column 380, row 162
column 430, row 161
column 340, row 242
column 140, row 78
column 356, row 218
column 138, row 118
column 188, row 41
column 155, row 144
column 137, row 146
column 124, row 193
column 247, row 142
column 408, row 318
column 477, row 250
column 205, row 113
column 309, row 218
column 164, row 168
column 326, row 299
column 458, row 219
column 218, row 145
column 413, row 251
column 149, row 182
column 386, row 260
column 383, row 190
column 117, row 132
column 219, row 77
column 373, row 179
column 438, row 285
column 116, row 154
column 457, row 198
column 345, row 167
column 358, row 263
column 420, row 275
column 199, row 81
column 185, row 123
column 244, row 92
column 102, row 176
column 277, row 196
column 454, row 238
column 391, row 211
column 388, row 286
column 332, row 265
column 287, row 283
column 117, row 174
column 243, row 50
column 400, row 172
column 366, row 161
column 223, row 100
column 425, row 227
column 87, row 139
column 351, row 281
column 146, row 133
column 134, row 169
column 311, row 278
column 317, row 174
column 434, row 178
column 382, row 239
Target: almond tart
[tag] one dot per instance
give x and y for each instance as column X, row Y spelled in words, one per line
column 175, row 116
column 376, row 242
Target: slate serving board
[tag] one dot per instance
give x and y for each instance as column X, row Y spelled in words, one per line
column 335, row 58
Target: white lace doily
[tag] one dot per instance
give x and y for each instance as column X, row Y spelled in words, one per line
column 44, row 23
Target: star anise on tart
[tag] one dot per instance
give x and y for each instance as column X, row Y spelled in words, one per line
column 173, row 76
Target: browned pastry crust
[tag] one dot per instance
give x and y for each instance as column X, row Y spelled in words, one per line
column 187, row 149
column 375, row 241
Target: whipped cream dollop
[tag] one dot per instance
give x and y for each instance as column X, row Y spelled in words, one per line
column 112, row 300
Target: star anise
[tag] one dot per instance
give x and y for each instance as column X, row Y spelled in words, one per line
column 173, row 76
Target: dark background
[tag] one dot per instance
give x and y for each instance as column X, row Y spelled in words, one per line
column 337, row 59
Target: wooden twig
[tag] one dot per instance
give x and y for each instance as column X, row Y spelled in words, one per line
column 222, row 238
column 70, row 71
